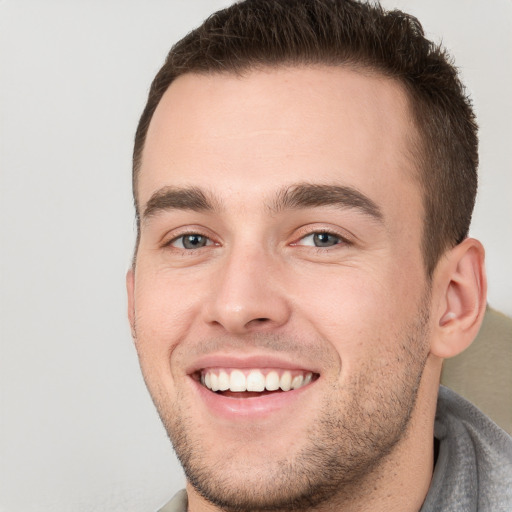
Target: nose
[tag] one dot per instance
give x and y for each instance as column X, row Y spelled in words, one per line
column 247, row 293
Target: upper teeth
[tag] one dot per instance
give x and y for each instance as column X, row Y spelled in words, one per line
column 254, row 380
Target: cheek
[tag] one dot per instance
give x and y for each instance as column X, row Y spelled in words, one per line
column 163, row 316
column 361, row 313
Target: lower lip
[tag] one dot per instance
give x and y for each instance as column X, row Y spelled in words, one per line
column 249, row 408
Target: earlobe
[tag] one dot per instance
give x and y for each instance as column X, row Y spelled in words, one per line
column 461, row 286
column 130, row 290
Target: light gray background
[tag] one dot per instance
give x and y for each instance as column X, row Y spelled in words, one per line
column 78, row 431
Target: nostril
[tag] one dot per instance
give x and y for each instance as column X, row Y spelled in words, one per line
column 257, row 321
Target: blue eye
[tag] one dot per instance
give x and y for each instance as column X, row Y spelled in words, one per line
column 320, row 239
column 191, row 241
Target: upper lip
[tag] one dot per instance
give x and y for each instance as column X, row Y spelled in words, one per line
column 248, row 361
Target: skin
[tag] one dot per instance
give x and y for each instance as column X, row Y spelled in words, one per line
column 360, row 313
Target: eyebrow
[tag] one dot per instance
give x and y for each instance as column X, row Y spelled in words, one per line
column 308, row 195
column 174, row 198
column 295, row 197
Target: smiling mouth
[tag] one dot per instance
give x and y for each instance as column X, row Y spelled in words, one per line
column 248, row 383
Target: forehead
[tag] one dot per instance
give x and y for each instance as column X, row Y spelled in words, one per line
column 272, row 127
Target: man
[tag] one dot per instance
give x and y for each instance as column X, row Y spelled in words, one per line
column 304, row 177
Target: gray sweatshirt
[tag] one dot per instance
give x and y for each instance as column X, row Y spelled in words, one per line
column 473, row 471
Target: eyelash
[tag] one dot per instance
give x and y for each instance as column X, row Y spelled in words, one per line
column 342, row 240
column 190, row 233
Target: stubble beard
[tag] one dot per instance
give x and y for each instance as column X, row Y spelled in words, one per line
column 358, row 428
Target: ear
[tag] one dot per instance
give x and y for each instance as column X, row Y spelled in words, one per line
column 130, row 290
column 460, row 285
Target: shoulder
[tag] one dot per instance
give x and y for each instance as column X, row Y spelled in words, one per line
column 457, row 416
column 474, row 467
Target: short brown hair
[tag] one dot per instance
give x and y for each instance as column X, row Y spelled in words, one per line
column 263, row 33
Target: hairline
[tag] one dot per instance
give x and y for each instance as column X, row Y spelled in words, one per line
column 416, row 150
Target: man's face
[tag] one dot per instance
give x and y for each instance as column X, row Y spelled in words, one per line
column 280, row 241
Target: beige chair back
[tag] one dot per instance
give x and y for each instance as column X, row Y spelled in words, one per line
column 483, row 372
